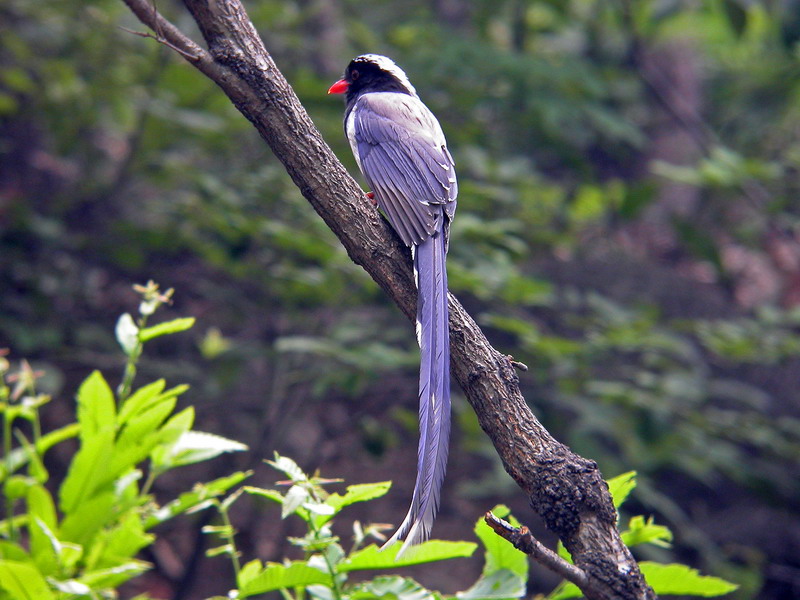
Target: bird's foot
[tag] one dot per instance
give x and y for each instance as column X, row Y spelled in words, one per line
column 371, row 196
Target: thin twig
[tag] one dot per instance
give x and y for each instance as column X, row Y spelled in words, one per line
column 161, row 40
column 165, row 32
column 522, row 539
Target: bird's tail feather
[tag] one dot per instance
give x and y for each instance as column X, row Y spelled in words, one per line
column 434, row 391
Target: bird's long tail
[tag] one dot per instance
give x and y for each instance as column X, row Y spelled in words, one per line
column 434, row 391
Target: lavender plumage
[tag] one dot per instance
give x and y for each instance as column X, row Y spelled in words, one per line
column 401, row 150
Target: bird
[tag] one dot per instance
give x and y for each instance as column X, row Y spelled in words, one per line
column 402, row 153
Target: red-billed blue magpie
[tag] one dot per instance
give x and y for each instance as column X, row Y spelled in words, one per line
column 401, row 150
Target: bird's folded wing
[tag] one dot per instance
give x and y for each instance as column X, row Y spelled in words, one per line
column 402, row 153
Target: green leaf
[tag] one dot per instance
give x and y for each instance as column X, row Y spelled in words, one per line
column 91, row 515
column 139, row 436
column 87, row 470
column 169, row 433
column 392, row 587
column 201, row 493
column 72, row 587
column 141, row 400
column 96, row 409
column 225, row 549
column 273, row 495
column 294, row 499
column 120, row 543
column 146, row 422
column 682, row 580
column 196, row 446
column 562, row 551
column 358, row 493
column 248, row 572
column 19, row 456
column 44, row 546
column 276, row 576
column 499, row 585
column 17, row 486
column 40, row 504
column 564, row 591
column 166, row 328
column 372, row 557
column 289, row 467
column 621, row 486
column 114, row 576
column 500, row 554
column 642, row 532
column 42, row 521
column 320, row 509
column 178, row 425
column 12, row 551
column 50, row 551
column 23, row 581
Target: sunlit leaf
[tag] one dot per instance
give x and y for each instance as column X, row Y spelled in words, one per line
column 392, row 587
column 275, row 576
column 641, row 531
column 682, row 580
column 288, row 466
column 197, row 446
column 87, row 470
column 23, row 581
column 621, row 486
column 197, row 497
column 498, row 585
column 358, row 493
column 500, row 554
column 372, row 557
column 96, row 406
column 174, row 326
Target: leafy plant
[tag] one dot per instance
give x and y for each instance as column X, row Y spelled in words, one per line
column 324, row 571
column 83, row 540
column 665, row 579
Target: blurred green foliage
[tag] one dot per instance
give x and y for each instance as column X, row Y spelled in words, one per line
column 628, row 228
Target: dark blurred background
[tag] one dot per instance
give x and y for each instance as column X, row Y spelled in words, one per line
column 628, row 227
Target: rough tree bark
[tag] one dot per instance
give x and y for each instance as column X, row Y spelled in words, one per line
column 564, row 488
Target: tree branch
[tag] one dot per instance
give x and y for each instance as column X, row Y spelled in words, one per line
column 565, row 489
column 522, row 539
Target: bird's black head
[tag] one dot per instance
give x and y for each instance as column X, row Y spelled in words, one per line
column 372, row 73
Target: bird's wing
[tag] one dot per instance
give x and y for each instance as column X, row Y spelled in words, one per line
column 402, row 152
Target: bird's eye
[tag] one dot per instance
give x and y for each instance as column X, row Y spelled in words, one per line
column 354, row 75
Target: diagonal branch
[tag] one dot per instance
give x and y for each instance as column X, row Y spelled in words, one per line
column 566, row 490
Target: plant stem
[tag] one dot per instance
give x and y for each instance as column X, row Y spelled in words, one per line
column 151, row 477
column 229, row 537
column 124, row 389
column 12, row 532
column 37, row 428
column 337, row 593
column 285, row 593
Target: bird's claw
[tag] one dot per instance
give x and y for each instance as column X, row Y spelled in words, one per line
column 371, row 196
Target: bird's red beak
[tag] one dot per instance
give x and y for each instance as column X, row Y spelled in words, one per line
column 340, row 87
